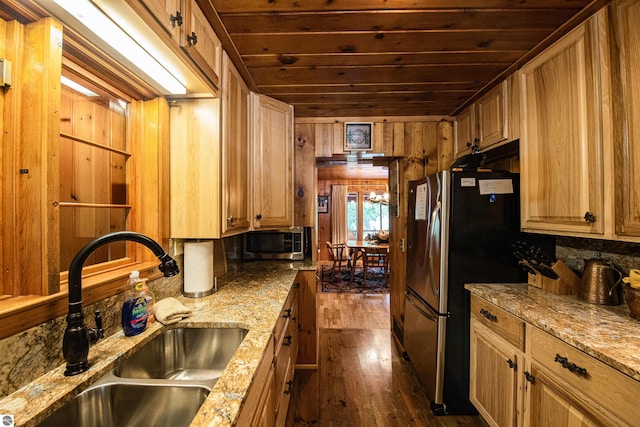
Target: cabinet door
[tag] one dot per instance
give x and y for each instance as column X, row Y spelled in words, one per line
column 195, row 176
column 626, row 57
column 272, row 163
column 465, row 133
column 493, row 376
column 166, row 13
column 560, row 141
column 492, row 111
column 201, row 43
column 550, row 404
column 235, row 151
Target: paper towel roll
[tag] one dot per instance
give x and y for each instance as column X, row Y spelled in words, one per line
column 198, row 269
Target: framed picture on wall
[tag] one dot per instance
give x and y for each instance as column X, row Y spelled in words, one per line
column 323, row 204
column 394, row 191
column 357, row 136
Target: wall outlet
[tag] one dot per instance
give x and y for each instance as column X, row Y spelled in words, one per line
column 177, row 247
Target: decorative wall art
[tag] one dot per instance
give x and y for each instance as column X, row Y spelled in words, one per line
column 323, row 204
column 357, row 136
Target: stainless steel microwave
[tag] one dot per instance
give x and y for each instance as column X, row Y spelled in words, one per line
column 286, row 243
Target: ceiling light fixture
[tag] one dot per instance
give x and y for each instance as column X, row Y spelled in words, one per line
column 98, row 23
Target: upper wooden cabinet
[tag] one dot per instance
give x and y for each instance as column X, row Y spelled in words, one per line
column 492, row 115
column 235, row 151
column 464, row 130
column 195, row 168
column 561, row 136
column 184, row 27
column 272, row 162
column 625, row 48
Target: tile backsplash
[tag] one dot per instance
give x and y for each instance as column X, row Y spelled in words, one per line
column 575, row 251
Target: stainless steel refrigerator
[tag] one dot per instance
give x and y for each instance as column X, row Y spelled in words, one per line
column 461, row 226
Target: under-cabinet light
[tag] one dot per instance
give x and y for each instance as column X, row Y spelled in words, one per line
column 106, row 29
column 77, row 87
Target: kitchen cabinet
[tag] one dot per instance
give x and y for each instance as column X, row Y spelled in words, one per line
column 183, row 26
column 269, row 394
column 272, row 163
column 464, row 130
column 561, row 136
column 496, row 363
column 492, row 116
column 625, row 49
column 521, row 375
column 195, row 168
column 235, row 151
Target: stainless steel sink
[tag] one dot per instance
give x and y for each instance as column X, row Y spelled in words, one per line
column 122, row 404
column 184, row 354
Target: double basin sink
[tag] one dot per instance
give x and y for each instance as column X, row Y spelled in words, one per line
column 164, row 383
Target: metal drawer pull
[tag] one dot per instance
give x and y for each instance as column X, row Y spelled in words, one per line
column 488, row 315
column 570, row 366
column 287, row 313
column 511, row 364
column 289, row 387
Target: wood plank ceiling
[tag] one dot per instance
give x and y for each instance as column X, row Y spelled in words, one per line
column 363, row 58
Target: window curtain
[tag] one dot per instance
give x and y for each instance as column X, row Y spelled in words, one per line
column 339, row 213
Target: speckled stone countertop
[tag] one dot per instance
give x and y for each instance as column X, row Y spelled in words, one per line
column 249, row 297
column 607, row 333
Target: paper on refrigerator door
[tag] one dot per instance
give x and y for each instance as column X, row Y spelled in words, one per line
column 495, row 186
column 421, row 202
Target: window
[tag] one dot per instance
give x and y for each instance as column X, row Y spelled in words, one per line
column 93, row 170
column 375, row 215
column 366, row 215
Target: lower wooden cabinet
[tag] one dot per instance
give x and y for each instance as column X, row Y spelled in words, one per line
column 268, row 397
column 544, row 381
column 493, row 386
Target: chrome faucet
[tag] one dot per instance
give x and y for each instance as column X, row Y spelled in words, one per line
column 77, row 337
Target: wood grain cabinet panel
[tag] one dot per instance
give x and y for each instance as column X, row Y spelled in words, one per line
column 166, row 13
column 201, row 43
column 494, row 368
column 561, row 137
column 272, row 162
column 625, row 16
column 492, row 114
column 235, row 151
column 464, row 130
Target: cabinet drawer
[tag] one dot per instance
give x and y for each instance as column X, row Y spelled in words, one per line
column 506, row 325
column 286, row 314
column 609, row 388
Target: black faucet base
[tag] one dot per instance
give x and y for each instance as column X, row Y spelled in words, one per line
column 76, row 369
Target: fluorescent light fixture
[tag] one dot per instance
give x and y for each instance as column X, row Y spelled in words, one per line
column 102, row 26
column 77, row 87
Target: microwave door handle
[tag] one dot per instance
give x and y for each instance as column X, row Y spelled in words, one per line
column 428, row 314
column 432, row 241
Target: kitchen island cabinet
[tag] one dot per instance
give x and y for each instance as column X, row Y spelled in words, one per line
column 572, row 369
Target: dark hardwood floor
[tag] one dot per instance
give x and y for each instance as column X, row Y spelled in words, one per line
column 361, row 380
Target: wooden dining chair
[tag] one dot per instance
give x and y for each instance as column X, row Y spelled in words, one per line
column 377, row 258
column 339, row 254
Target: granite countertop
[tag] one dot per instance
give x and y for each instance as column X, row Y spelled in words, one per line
column 251, row 297
column 607, row 333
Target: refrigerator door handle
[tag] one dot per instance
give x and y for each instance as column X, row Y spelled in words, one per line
column 428, row 314
column 435, row 287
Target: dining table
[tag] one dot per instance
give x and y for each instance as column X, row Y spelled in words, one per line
column 357, row 249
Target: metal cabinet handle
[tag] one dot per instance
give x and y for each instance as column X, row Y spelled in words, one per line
column 287, row 313
column 176, row 20
column 289, row 387
column 511, row 364
column 589, row 217
column 230, row 220
column 192, row 39
column 572, row 367
column 530, row 378
column 259, row 217
column 289, row 340
column 488, row 315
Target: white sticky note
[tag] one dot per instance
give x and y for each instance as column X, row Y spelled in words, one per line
column 421, row 202
column 467, row 182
